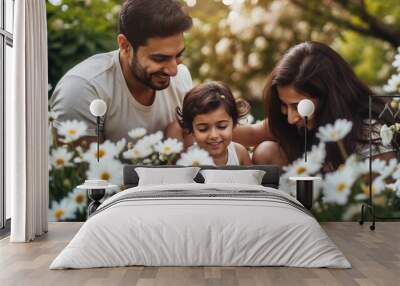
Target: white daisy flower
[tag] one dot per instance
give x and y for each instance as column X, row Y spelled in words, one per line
column 302, row 168
column 393, row 84
column 79, row 198
column 380, row 167
column 389, row 168
column 139, row 151
column 60, row 158
column 50, row 138
column 107, row 150
column 335, row 132
column 78, row 160
column 386, row 135
column 337, row 187
column 351, row 212
column 53, row 115
column 151, row 139
column 288, row 186
column 109, row 170
column 396, row 62
column 79, row 150
column 61, row 211
column 169, row 146
column 137, row 133
column 396, row 185
column 396, row 173
column 121, row 144
column 317, row 153
column 397, row 188
column 195, row 157
column 72, row 130
column 378, row 186
column 352, row 165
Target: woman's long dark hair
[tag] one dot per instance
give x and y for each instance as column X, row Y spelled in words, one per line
column 317, row 71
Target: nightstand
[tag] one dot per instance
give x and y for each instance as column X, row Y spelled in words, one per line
column 96, row 189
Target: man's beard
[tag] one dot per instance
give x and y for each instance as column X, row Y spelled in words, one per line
column 146, row 78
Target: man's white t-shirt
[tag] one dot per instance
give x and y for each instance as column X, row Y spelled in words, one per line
column 100, row 76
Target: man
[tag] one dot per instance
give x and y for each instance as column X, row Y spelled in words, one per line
column 142, row 83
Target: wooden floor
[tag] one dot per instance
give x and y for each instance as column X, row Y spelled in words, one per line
column 375, row 257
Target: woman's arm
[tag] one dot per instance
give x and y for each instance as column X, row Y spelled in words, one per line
column 253, row 134
column 269, row 153
column 174, row 130
column 243, row 154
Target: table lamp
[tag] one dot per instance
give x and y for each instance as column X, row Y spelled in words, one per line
column 98, row 108
column 304, row 185
column 305, row 108
column 96, row 188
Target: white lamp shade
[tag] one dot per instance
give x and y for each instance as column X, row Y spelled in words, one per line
column 98, row 107
column 305, row 108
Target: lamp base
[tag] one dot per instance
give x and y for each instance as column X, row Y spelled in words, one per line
column 95, row 195
column 304, row 192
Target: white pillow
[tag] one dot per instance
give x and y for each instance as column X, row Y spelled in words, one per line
column 163, row 176
column 249, row 177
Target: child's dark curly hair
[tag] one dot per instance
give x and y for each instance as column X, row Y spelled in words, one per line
column 208, row 97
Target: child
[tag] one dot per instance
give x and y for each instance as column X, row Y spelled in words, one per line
column 209, row 113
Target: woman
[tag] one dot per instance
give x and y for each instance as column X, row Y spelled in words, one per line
column 314, row 71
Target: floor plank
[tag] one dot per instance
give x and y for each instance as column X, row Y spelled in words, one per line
column 374, row 255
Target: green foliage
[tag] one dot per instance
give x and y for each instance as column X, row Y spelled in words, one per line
column 370, row 58
column 253, row 39
column 78, row 29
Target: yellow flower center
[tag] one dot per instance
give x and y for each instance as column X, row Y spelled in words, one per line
column 105, row 176
column 136, row 152
column 80, row 198
column 60, row 162
column 167, row 149
column 341, row 187
column 71, row 132
column 300, row 170
column 100, row 154
column 195, row 163
column 58, row 213
column 365, row 189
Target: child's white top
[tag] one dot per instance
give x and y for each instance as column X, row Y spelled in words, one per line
column 232, row 156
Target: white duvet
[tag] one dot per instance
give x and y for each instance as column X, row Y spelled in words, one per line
column 190, row 230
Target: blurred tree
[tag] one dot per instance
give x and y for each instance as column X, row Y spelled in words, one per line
column 372, row 18
column 239, row 41
column 369, row 32
column 78, row 29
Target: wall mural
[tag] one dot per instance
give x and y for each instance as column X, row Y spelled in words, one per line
column 217, row 49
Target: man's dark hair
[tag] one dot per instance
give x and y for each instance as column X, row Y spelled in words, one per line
column 140, row 20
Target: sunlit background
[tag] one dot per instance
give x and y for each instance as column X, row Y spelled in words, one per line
column 238, row 42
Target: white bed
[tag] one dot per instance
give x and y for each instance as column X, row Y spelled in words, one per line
column 201, row 224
